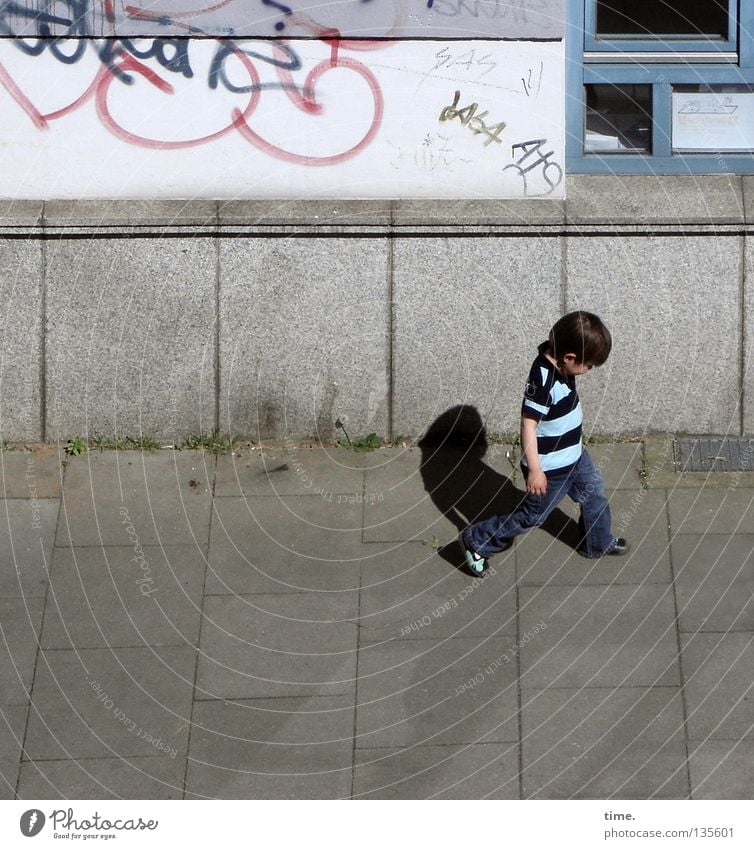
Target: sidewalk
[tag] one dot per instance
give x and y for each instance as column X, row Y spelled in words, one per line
column 291, row 623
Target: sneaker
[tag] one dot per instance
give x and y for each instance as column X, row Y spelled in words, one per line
column 619, row 547
column 476, row 564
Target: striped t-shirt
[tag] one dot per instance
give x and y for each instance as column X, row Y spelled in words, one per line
column 552, row 401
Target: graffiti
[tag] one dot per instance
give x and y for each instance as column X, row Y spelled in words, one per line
column 529, row 81
column 123, row 61
column 277, row 117
column 422, row 19
column 447, row 59
column 516, row 9
column 550, row 172
column 468, row 117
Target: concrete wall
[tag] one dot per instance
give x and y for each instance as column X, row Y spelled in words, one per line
column 272, row 319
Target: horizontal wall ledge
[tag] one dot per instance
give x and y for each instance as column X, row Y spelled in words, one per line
column 642, row 202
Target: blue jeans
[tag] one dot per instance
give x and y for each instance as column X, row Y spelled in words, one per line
column 583, row 483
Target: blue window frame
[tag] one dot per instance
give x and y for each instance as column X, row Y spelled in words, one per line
column 621, row 85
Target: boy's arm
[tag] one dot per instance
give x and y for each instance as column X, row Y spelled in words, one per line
column 536, row 482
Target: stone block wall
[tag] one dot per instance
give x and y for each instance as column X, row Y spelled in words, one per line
column 273, row 320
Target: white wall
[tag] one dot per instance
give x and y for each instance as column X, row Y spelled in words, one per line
column 355, row 120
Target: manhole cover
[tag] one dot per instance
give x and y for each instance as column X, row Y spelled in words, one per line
column 707, row 454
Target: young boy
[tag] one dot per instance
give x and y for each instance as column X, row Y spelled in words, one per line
column 553, row 462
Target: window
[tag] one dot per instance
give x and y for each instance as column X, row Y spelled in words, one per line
column 660, row 86
column 707, row 19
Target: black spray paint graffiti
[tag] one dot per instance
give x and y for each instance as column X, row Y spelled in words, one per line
column 542, row 163
column 99, row 18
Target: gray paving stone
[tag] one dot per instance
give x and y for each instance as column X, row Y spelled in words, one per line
column 31, row 474
column 638, row 515
column 714, row 582
column 300, row 344
column 711, row 511
column 294, row 644
column 718, row 671
column 162, row 506
column 402, row 508
column 20, row 624
column 130, row 345
column 103, row 597
column 662, row 331
column 436, row 364
column 27, row 535
column 615, row 636
column 285, row 545
column 103, row 778
column 21, row 327
column 432, row 493
column 12, row 725
column 410, row 591
column 722, row 769
column 618, row 463
column 291, row 470
column 101, row 703
column 437, row 692
column 624, row 743
column 486, row 771
column 271, row 749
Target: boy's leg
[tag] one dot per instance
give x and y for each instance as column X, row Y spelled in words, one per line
column 496, row 534
column 588, row 490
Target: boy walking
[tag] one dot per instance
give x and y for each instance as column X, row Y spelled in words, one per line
column 553, row 460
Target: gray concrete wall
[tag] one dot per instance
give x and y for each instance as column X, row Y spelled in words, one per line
column 273, row 320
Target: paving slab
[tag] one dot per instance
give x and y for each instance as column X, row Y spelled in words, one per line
column 12, row 726
column 103, row 778
column 102, row 597
column 284, row 748
column 410, row 591
column 434, row 492
column 718, row 671
column 624, row 743
column 130, row 497
column 619, row 463
column 290, row 470
column 639, row 515
column 32, row 474
column 714, row 581
column 286, row 544
column 722, row 769
column 615, row 636
column 711, row 510
column 437, row 692
column 111, row 703
column 484, row 771
column 20, row 624
column 27, row 535
column 402, row 509
column 292, row 644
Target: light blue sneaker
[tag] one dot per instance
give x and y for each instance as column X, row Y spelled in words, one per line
column 475, row 563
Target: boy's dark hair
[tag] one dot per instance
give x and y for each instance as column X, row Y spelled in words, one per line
column 583, row 334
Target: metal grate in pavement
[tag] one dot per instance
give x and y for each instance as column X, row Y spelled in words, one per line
column 710, row 454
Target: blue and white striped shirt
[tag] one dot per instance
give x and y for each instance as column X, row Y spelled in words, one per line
column 552, row 401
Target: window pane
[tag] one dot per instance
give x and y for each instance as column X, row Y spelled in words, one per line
column 618, row 119
column 650, row 18
column 713, row 118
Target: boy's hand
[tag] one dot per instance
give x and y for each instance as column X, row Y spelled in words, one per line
column 536, row 483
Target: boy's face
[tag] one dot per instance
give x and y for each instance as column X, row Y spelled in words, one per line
column 569, row 365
